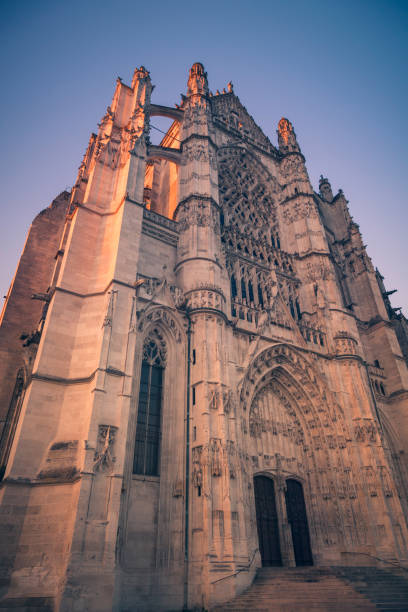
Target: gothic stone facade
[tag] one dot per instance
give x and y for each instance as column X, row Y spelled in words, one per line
column 218, row 379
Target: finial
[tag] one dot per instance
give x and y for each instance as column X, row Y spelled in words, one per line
column 230, row 87
column 325, row 189
column 286, row 136
column 197, row 80
column 139, row 74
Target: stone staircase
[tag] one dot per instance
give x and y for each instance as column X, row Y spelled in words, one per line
column 340, row 589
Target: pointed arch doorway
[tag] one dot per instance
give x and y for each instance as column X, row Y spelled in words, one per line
column 296, row 545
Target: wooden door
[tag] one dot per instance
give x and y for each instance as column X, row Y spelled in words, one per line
column 267, row 521
column 297, row 518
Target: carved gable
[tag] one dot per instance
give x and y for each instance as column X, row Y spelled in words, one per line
column 229, row 113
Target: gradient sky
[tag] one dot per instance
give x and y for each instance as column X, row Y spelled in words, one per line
column 337, row 70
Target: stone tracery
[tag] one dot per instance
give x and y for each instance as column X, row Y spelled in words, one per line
column 250, row 235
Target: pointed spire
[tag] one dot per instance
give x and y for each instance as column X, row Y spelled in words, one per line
column 325, row 189
column 139, row 74
column 287, row 137
column 197, row 80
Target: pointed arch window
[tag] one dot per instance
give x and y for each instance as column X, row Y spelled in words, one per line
column 148, row 428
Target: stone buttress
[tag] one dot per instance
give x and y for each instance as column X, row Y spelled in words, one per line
column 67, row 481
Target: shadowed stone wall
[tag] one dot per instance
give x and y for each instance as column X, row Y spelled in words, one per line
column 21, row 314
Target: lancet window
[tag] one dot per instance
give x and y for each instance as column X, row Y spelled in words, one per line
column 148, row 428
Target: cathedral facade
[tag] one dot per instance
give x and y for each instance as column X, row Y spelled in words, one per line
column 210, row 377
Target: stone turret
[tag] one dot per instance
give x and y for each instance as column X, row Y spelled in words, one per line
column 287, row 137
column 197, row 81
column 325, row 189
column 203, row 279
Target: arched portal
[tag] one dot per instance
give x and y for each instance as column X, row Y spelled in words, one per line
column 297, row 519
column 267, row 521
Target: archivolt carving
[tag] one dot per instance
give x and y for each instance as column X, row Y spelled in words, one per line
column 313, row 391
column 365, row 430
column 165, row 316
column 289, row 413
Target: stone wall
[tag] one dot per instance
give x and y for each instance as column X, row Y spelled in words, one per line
column 21, row 314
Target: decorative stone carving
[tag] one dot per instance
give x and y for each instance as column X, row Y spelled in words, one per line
column 198, row 212
column 154, row 348
column 299, row 209
column 107, row 322
column 213, row 398
column 197, row 473
column 345, row 344
column 104, row 459
column 292, row 167
column 163, row 315
column 386, row 481
column 228, row 401
column 319, row 271
column 231, row 458
column 205, row 298
column 178, row 488
column 197, row 83
column 219, row 396
column 232, row 115
column 215, row 452
column 370, row 480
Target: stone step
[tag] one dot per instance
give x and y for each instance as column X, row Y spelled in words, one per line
column 340, row 589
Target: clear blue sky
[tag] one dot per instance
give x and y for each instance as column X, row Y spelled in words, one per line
column 337, row 70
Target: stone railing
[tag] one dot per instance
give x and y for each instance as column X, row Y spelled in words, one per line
column 312, row 335
column 160, row 220
column 375, row 371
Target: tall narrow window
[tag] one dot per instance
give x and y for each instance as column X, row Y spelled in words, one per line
column 7, row 436
column 243, row 289
column 148, row 434
column 233, row 287
column 251, row 292
column 260, row 296
column 298, row 312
